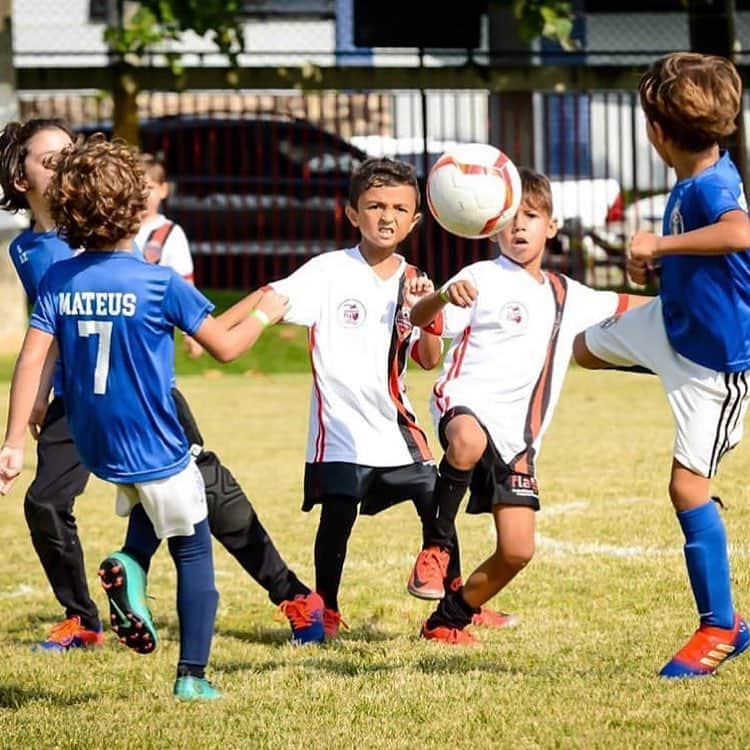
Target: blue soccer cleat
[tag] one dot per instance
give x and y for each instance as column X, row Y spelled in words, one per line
column 124, row 583
column 190, row 688
column 708, row 648
column 305, row 615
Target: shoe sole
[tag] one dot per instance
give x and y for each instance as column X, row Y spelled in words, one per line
column 420, row 593
column 132, row 628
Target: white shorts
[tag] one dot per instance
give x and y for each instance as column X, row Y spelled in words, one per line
column 174, row 504
column 708, row 406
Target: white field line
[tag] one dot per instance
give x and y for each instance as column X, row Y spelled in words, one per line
column 563, row 547
column 20, row 590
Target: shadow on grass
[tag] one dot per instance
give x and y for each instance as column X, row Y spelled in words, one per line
column 345, row 665
column 280, row 636
column 15, row 696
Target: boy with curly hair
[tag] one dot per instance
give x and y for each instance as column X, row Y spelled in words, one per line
column 26, row 149
column 696, row 334
column 112, row 318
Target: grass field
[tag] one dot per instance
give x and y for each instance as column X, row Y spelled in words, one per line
column 603, row 604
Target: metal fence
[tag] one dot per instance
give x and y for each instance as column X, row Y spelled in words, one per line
column 260, row 179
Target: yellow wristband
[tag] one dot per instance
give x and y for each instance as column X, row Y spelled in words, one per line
column 261, row 316
column 444, row 296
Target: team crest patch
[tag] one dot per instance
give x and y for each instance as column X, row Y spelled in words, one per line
column 676, row 225
column 514, row 316
column 351, row 313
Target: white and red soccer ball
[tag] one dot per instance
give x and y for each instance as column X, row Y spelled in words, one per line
column 473, row 190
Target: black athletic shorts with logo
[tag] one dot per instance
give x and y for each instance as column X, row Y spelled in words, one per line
column 376, row 487
column 493, row 482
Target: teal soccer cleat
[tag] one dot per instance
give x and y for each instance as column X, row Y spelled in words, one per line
column 190, row 688
column 124, row 582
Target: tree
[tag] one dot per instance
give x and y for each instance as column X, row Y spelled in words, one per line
column 135, row 28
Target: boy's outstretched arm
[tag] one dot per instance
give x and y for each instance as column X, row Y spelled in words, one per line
column 23, row 393
column 460, row 293
column 227, row 343
column 429, row 347
column 240, row 310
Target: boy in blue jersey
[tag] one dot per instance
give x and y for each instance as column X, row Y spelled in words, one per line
column 696, row 334
column 112, row 318
column 25, row 149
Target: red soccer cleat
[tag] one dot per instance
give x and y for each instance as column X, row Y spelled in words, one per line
column 332, row 622
column 305, row 615
column 427, row 576
column 445, row 634
column 488, row 618
column 70, row 634
column 708, row 648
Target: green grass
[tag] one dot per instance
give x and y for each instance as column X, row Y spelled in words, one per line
column 603, row 604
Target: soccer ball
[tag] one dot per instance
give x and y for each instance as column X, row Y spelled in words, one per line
column 473, row 190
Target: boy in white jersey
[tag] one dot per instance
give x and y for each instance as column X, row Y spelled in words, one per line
column 512, row 326
column 161, row 240
column 696, row 334
column 364, row 443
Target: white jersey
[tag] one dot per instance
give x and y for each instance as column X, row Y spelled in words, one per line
column 360, row 337
column 166, row 248
column 511, row 350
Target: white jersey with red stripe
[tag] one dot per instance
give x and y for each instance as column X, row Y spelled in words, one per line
column 511, row 349
column 360, row 338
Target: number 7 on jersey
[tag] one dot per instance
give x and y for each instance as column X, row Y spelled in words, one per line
column 102, row 329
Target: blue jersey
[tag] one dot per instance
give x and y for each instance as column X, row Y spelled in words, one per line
column 32, row 253
column 114, row 318
column 706, row 298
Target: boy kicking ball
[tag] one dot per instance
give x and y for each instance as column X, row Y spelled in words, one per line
column 512, row 326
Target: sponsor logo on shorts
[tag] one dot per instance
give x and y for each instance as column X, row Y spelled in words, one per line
column 524, row 486
column 351, row 313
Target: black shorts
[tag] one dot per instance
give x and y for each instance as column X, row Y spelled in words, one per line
column 493, row 482
column 376, row 487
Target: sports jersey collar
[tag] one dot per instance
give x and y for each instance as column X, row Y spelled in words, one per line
column 356, row 253
column 510, row 265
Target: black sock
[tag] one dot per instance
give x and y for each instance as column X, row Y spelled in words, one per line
column 452, row 612
column 337, row 517
column 450, row 488
column 191, row 670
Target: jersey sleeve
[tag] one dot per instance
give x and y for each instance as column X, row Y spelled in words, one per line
column 176, row 253
column 43, row 315
column 304, row 288
column 184, row 306
column 457, row 319
column 587, row 306
column 717, row 196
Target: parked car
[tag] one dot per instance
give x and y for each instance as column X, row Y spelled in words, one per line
column 259, row 194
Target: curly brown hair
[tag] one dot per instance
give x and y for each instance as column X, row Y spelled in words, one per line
column 98, row 193
column 694, row 98
column 536, row 190
column 14, row 141
column 379, row 172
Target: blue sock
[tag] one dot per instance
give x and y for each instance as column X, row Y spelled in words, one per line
column 141, row 541
column 197, row 597
column 707, row 561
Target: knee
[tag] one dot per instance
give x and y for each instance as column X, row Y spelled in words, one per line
column 41, row 514
column 516, row 556
column 466, row 444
